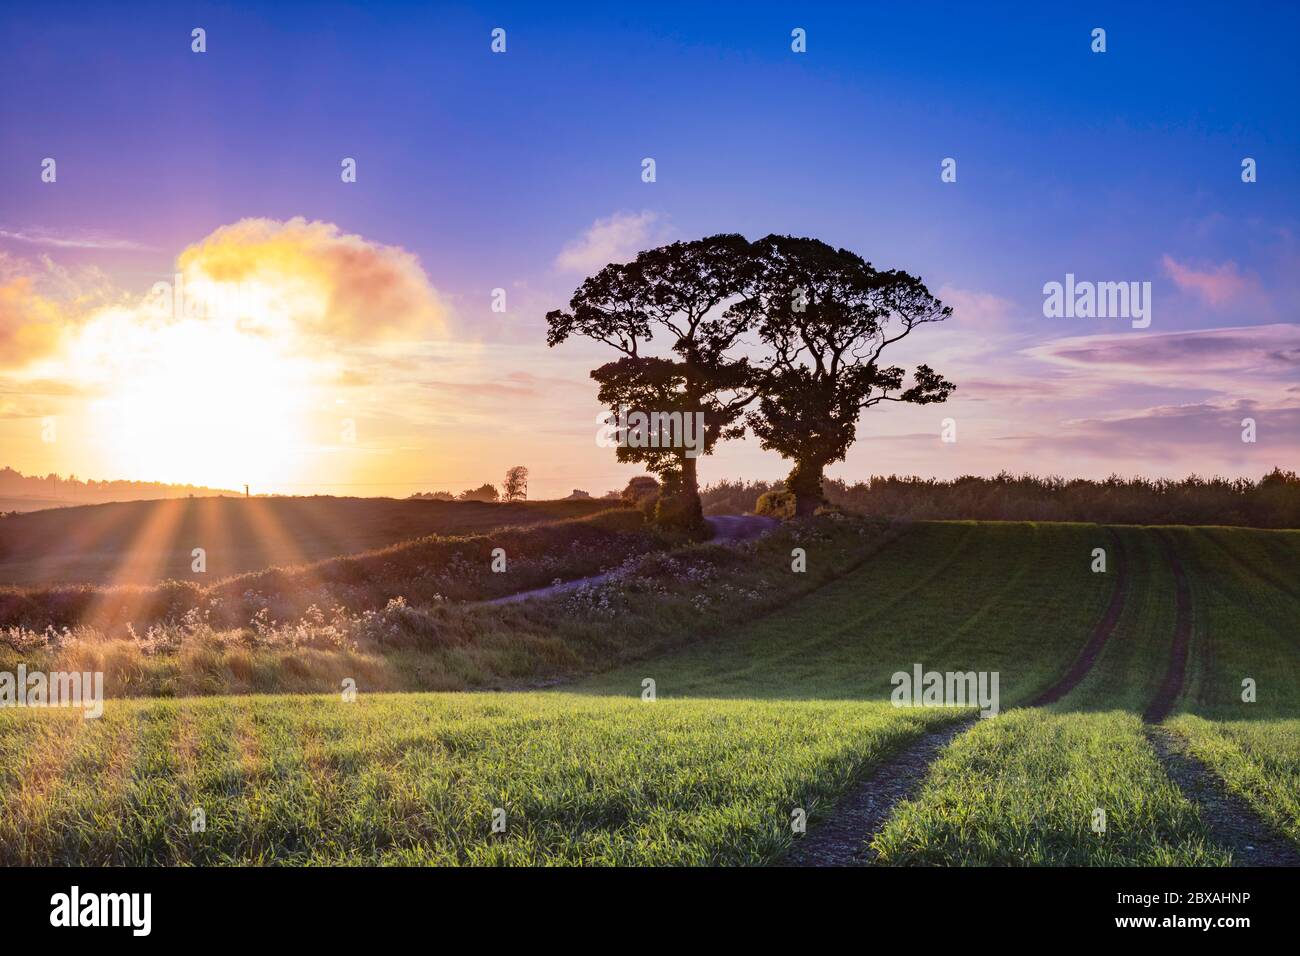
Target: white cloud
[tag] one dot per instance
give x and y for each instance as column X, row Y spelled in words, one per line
column 616, row 238
column 81, row 241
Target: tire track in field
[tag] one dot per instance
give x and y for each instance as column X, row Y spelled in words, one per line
column 1230, row 820
column 845, row 838
column 1172, row 686
column 1100, row 633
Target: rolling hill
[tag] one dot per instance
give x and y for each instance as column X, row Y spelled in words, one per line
column 786, row 712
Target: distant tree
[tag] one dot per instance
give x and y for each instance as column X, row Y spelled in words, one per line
column 640, row 487
column 673, row 291
column 613, row 495
column 481, row 493
column 577, row 495
column 515, row 487
column 826, row 316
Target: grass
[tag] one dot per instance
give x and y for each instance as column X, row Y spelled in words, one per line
column 1259, row 761
column 1023, row 790
column 953, row 596
column 424, row 570
column 415, row 779
column 1246, row 588
column 772, row 694
column 660, row 600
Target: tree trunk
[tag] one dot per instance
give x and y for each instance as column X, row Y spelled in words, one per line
column 691, row 491
column 805, row 483
column 679, row 500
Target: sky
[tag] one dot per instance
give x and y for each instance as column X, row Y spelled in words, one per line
column 372, row 361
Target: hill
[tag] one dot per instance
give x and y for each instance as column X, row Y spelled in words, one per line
column 142, row 542
column 784, row 710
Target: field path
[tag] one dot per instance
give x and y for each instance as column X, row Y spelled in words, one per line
column 1165, row 698
column 844, row 838
column 1231, row 821
column 727, row 529
column 1100, row 634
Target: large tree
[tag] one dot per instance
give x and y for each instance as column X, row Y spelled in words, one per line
column 827, row 316
column 677, row 293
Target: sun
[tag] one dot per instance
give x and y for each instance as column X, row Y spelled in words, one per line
column 202, row 402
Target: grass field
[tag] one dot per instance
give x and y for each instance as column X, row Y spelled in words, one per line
column 783, row 708
column 1024, row 789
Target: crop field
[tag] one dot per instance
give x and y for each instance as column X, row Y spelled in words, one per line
column 782, row 714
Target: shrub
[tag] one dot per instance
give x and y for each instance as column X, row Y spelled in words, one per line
column 678, row 513
column 642, row 486
column 776, row 504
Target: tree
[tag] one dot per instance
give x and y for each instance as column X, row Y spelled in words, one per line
column 826, row 316
column 696, row 393
column 515, row 487
column 483, row 492
column 639, row 487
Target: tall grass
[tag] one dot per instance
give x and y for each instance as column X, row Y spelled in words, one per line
column 652, row 602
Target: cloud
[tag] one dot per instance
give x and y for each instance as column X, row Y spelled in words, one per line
column 30, row 324
column 1259, row 350
column 972, row 309
column 319, row 281
column 1218, row 285
column 40, row 303
column 616, row 238
column 80, row 241
column 1204, row 427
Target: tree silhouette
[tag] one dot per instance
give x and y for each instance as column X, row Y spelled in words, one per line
column 674, row 292
column 515, row 487
column 826, row 316
column 483, row 492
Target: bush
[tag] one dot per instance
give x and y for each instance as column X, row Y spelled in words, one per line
column 735, row 497
column 639, row 488
column 678, row 513
column 484, row 492
column 776, row 504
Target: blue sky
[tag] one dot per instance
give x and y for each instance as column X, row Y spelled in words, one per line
column 1117, row 166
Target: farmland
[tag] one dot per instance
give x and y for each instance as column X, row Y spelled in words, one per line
column 144, row 542
column 766, row 707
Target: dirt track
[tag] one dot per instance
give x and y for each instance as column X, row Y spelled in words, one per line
column 1172, row 686
column 727, row 529
column 843, row 839
column 1231, row 821
column 1100, row 634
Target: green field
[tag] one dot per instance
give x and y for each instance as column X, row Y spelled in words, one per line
column 785, row 708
